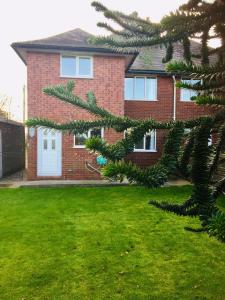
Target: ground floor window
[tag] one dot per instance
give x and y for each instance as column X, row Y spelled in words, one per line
column 147, row 143
column 80, row 139
column 187, row 131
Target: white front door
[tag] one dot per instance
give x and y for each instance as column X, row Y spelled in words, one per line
column 1, row 154
column 49, row 148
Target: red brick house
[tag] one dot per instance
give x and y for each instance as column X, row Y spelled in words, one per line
column 126, row 84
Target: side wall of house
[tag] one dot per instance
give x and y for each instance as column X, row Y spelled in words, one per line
column 13, row 148
column 107, row 84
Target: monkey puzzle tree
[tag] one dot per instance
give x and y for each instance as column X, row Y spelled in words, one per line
column 194, row 159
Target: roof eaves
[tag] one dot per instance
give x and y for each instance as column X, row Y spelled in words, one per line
column 68, row 48
column 152, row 72
column 18, row 53
column 135, row 54
column 9, row 121
column 139, row 71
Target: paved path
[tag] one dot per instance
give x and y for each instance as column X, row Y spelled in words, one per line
column 19, row 180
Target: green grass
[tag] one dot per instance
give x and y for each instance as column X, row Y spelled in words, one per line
column 104, row 243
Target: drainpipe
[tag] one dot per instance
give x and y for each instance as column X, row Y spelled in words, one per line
column 174, row 98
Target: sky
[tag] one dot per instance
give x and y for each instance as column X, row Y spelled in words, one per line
column 31, row 19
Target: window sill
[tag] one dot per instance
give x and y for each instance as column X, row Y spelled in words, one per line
column 79, row 147
column 148, row 151
column 146, row 100
column 77, row 77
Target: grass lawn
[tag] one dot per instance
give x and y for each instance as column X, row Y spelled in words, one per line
column 104, row 243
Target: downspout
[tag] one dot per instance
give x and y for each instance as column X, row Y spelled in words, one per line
column 174, row 98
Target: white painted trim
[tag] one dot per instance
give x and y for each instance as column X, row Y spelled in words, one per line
column 78, row 146
column 89, row 135
column 40, row 171
column 174, row 98
column 145, row 77
column 142, row 150
column 77, row 66
column 143, row 100
column 1, row 170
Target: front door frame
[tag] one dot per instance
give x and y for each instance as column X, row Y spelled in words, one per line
column 40, row 170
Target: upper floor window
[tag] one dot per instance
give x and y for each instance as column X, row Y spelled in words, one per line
column 147, row 143
column 141, row 88
column 80, row 139
column 186, row 94
column 76, row 66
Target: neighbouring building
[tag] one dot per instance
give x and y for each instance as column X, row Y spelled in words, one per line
column 134, row 85
column 12, row 147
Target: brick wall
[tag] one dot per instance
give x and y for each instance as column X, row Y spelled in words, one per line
column 13, row 147
column 107, row 84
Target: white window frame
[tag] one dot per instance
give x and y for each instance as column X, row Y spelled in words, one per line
column 144, row 144
column 191, row 91
column 77, row 57
column 145, row 99
column 89, row 135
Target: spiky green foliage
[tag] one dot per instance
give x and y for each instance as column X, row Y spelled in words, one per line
column 169, row 53
column 185, row 157
column 172, row 147
column 219, row 147
column 211, row 72
column 65, row 94
column 150, row 177
column 217, row 225
column 212, row 100
column 202, row 201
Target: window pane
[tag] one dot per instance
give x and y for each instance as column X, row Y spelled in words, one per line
column 139, row 89
column 129, row 88
column 96, row 132
column 140, row 145
column 185, row 93
column 151, row 88
column 84, row 66
column 53, row 144
column 194, row 81
column 80, row 139
column 150, row 141
column 45, row 143
column 68, row 66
